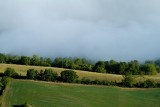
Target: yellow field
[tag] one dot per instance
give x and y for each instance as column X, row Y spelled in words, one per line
column 21, row 69
column 154, row 77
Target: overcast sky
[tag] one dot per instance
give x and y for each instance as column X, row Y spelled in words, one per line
column 95, row 29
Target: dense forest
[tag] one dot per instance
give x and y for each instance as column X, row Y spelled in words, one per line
column 150, row 67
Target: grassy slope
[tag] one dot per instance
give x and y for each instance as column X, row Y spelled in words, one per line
column 42, row 94
column 21, row 69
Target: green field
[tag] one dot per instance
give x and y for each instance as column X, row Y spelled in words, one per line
column 45, row 94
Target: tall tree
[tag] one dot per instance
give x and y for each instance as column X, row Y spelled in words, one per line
column 133, row 67
column 35, row 60
column 32, row 74
column 148, row 69
column 2, row 58
column 25, row 60
column 99, row 67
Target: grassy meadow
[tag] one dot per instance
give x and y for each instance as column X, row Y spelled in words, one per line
column 21, row 69
column 46, row 94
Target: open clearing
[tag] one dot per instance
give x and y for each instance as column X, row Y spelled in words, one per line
column 43, row 94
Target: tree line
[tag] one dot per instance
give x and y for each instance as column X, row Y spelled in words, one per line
column 112, row 66
column 70, row 76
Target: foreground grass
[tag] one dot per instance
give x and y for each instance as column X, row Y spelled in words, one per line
column 43, row 94
column 21, row 69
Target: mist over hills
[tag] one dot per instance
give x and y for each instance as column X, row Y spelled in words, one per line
column 94, row 29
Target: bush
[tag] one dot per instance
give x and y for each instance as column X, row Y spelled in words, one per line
column 49, row 75
column 148, row 69
column 158, row 85
column 149, row 84
column 4, row 81
column 140, row 84
column 96, row 82
column 78, row 81
column 105, row 83
column 32, row 74
column 86, row 81
column 128, row 81
column 10, row 72
column 46, row 75
column 69, row 76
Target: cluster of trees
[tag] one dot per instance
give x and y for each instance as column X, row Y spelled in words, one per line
column 35, row 60
column 49, row 75
column 44, row 75
column 73, row 63
column 70, row 76
column 10, row 72
column 130, row 81
column 132, row 67
column 25, row 60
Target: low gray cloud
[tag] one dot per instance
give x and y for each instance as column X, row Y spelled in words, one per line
column 95, row 29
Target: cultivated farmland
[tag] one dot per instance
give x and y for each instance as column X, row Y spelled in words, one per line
column 46, row 94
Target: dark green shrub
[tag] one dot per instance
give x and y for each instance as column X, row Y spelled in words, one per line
column 69, row 76
column 148, row 69
column 32, row 74
column 158, row 85
column 10, row 72
column 49, row 75
column 96, row 82
column 86, row 81
column 149, row 84
column 139, row 84
column 128, row 81
column 5, row 81
column 105, row 83
column 78, row 81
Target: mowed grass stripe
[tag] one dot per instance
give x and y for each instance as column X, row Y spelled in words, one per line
column 42, row 94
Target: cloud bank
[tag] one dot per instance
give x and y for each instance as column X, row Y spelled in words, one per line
column 95, row 29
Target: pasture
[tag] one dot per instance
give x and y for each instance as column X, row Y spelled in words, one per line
column 22, row 70
column 49, row 94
